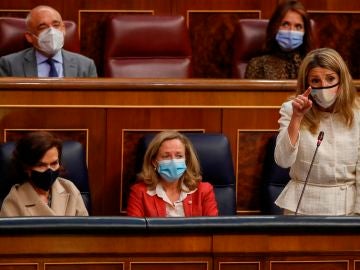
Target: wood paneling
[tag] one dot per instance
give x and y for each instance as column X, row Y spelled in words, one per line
column 331, row 5
column 251, row 151
column 84, row 266
column 340, row 31
column 111, row 115
column 211, row 35
column 206, row 250
column 175, row 265
column 298, row 265
column 237, row 265
column 19, row 266
column 143, row 92
column 211, row 25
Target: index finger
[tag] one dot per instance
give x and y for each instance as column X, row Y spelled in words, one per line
column 307, row 92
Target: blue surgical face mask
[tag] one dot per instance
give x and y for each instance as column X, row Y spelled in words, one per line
column 171, row 169
column 289, row 40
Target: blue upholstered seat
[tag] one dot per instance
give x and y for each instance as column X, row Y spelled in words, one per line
column 216, row 162
column 73, row 160
column 274, row 180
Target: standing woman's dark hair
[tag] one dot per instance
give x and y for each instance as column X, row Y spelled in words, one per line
column 271, row 44
column 30, row 149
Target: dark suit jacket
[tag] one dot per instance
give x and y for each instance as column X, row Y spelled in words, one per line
column 23, row 64
column 200, row 203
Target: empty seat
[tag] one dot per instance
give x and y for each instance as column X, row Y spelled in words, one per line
column 147, row 46
column 249, row 42
column 274, row 179
column 13, row 40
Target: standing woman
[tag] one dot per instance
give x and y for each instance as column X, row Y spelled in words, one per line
column 326, row 100
column 40, row 191
column 288, row 40
column 169, row 184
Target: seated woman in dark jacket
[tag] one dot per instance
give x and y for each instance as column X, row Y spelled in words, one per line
column 288, row 40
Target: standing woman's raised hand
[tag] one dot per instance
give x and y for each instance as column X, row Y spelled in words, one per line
column 301, row 103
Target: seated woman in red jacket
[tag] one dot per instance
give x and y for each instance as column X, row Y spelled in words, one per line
column 169, row 184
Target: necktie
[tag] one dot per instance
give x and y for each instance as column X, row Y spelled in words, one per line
column 52, row 72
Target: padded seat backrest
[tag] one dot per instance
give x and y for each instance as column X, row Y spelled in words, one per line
column 13, row 40
column 217, row 168
column 274, row 179
column 147, row 46
column 73, row 160
column 249, row 42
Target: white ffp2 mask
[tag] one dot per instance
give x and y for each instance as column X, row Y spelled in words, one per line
column 324, row 96
column 51, row 40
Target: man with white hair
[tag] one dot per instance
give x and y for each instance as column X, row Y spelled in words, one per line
column 47, row 58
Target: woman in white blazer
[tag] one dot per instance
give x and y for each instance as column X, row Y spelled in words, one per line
column 326, row 101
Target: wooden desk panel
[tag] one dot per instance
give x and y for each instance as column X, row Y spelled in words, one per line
column 256, row 243
column 142, row 92
column 116, row 112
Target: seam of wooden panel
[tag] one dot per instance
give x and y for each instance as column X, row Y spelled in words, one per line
column 152, row 12
column 141, row 106
column 334, row 11
column 171, row 262
column 220, row 11
column 122, row 211
column 18, row 264
column 308, row 261
column 54, row 129
column 101, row 262
column 240, row 262
column 15, row 10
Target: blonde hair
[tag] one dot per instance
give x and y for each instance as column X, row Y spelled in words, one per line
column 347, row 97
column 149, row 175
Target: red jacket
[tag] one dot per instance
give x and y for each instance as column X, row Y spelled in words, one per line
column 200, row 203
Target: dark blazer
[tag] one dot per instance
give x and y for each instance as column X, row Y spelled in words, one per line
column 200, row 203
column 23, row 64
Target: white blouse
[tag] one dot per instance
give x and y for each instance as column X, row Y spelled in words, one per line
column 175, row 209
column 334, row 180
